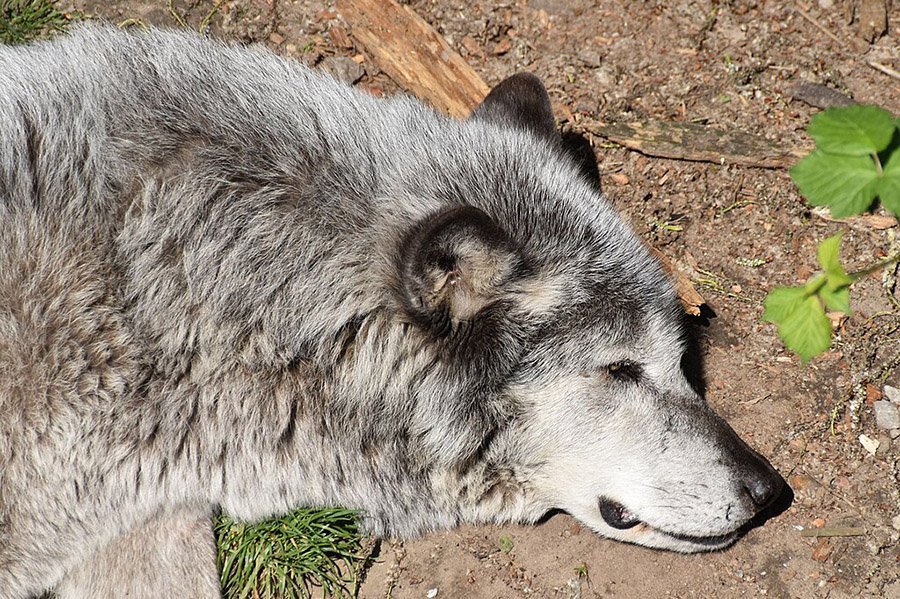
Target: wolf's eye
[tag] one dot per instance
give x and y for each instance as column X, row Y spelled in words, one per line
column 625, row 371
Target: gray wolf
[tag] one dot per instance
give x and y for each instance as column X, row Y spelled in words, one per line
column 229, row 282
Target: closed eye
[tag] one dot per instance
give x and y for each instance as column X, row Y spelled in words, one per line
column 625, row 371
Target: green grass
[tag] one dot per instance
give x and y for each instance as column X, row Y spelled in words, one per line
column 305, row 553
column 24, row 20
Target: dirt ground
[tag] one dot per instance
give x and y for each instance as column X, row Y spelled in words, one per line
column 737, row 231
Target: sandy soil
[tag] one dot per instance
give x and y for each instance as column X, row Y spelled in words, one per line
column 738, row 231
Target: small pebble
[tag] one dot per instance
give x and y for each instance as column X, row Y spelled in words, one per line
column 887, row 415
column 884, row 445
column 432, row 593
column 895, row 522
column 893, row 394
column 345, row 69
column 869, row 444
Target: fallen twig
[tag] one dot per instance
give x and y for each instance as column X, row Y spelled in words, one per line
column 884, row 69
column 816, row 24
column 833, row 532
column 696, row 142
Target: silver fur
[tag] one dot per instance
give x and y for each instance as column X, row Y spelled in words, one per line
column 224, row 282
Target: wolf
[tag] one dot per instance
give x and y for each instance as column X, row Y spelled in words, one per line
column 229, row 282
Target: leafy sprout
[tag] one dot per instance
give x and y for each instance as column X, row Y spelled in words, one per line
column 856, row 161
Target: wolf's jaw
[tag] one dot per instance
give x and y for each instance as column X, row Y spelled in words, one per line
column 624, row 521
column 646, row 535
column 710, row 543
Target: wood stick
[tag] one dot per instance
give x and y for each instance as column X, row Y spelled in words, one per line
column 884, row 69
column 690, row 141
column 414, row 55
column 817, row 25
column 833, row 532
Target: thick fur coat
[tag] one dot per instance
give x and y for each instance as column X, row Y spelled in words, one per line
column 229, row 282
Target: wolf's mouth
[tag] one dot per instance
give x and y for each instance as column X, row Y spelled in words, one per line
column 619, row 517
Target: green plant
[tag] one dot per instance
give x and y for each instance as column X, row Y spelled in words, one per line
column 856, row 160
column 24, row 20
column 296, row 555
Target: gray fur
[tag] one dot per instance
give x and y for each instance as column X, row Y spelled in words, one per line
column 207, row 300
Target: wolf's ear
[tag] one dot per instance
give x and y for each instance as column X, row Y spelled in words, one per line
column 452, row 265
column 520, row 101
column 579, row 149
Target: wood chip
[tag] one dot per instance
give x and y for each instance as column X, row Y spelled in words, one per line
column 873, row 394
column 619, row 178
column 339, row 37
column 800, row 482
column 472, row 46
column 414, row 55
column 502, row 47
column 869, row 444
column 822, row 550
column 872, row 19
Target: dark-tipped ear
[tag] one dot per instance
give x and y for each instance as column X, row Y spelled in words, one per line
column 579, row 149
column 520, row 101
column 452, row 265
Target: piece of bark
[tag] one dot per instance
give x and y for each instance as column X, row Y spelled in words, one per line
column 879, row 222
column 691, row 141
column 414, row 55
column 872, row 19
column 818, row 95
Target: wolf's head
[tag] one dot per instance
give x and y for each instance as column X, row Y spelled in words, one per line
column 570, row 342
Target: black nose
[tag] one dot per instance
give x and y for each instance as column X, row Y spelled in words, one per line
column 763, row 486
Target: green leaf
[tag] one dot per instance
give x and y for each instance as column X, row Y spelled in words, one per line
column 836, row 300
column 782, row 301
column 807, row 330
column 889, row 186
column 838, row 280
column 829, row 254
column 846, row 184
column 801, row 320
column 856, row 130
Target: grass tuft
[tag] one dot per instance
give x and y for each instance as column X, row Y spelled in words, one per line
column 304, row 553
column 24, row 20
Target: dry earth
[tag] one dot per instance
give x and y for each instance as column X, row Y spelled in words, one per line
column 737, row 231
